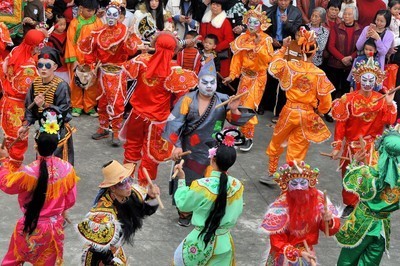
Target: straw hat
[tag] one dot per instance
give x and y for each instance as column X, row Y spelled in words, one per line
column 115, row 173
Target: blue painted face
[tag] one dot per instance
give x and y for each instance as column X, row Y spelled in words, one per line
column 298, row 184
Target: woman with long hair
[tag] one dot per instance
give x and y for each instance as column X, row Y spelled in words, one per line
column 216, row 202
column 156, row 9
column 46, row 188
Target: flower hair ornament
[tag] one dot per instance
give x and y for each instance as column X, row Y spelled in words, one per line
column 50, row 122
column 293, row 170
column 229, row 137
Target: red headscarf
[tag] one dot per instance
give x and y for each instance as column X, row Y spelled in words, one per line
column 23, row 52
column 160, row 63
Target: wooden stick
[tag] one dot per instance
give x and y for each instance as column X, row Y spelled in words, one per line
column 362, row 143
column 297, row 167
column 229, row 85
column 340, row 157
column 313, row 262
column 3, row 143
column 181, row 154
column 177, row 171
column 44, row 94
column 231, row 99
column 387, row 93
column 151, row 184
column 326, row 210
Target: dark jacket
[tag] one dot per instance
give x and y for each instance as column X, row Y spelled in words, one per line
column 292, row 24
column 337, row 45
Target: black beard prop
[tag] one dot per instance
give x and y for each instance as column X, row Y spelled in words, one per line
column 130, row 215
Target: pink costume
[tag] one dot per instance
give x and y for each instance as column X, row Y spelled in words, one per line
column 45, row 245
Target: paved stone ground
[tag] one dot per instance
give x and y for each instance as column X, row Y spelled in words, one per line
column 156, row 242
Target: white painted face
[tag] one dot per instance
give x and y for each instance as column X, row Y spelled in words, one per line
column 253, row 24
column 112, row 15
column 368, row 81
column 207, row 85
column 298, row 184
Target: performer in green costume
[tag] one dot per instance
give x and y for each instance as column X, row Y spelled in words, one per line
column 366, row 233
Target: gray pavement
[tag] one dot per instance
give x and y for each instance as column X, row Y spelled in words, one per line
column 156, row 242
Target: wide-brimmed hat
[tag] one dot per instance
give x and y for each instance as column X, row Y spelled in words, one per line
column 115, row 172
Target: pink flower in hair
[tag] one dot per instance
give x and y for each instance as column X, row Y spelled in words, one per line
column 212, row 152
column 229, row 140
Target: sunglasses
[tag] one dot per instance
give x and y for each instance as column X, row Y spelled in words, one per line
column 125, row 184
column 46, row 65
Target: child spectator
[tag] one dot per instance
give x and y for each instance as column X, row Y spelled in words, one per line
column 368, row 51
column 122, row 15
column 189, row 57
column 210, row 43
column 65, row 8
column 57, row 40
column 346, row 3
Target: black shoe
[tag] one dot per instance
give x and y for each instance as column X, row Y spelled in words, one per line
column 267, row 180
column 328, row 118
column 115, row 142
column 248, row 144
column 274, row 119
column 347, row 211
column 260, row 111
column 100, row 134
column 185, row 222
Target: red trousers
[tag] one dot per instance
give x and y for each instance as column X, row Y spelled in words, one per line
column 13, row 111
column 136, row 146
column 111, row 101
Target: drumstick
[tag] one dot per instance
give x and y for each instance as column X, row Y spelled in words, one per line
column 313, row 263
column 151, row 184
column 326, row 210
column 387, row 93
column 180, row 155
column 177, row 171
column 329, row 155
column 229, row 85
column 3, row 143
column 44, row 94
column 231, row 99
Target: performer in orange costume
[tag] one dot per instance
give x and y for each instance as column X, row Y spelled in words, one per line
column 252, row 52
column 360, row 119
column 110, row 45
column 81, row 27
column 307, row 88
column 157, row 80
column 19, row 72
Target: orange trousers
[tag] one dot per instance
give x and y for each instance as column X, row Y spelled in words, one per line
column 80, row 98
column 255, row 85
column 288, row 132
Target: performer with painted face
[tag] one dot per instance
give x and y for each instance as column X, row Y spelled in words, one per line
column 307, row 90
column 360, row 118
column 365, row 235
column 252, row 52
column 18, row 73
column 194, row 121
column 110, row 47
column 48, row 90
column 297, row 216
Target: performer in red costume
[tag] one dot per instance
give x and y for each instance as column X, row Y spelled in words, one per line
column 360, row 118
column 111, row 45
column 19, row 70
column 297, row 216
column 157, row 80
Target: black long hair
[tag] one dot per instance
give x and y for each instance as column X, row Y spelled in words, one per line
column 159, row 18
column 224, row 158
column 46, row 145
